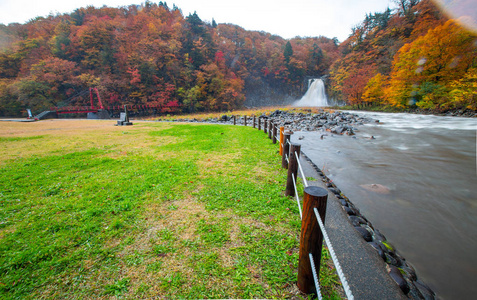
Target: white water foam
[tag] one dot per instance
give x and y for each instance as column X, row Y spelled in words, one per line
column 315, row 96
column 405, row 121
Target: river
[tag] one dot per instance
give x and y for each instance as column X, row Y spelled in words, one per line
column 429, row 213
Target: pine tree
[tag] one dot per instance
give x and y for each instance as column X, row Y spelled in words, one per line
column 288, row 52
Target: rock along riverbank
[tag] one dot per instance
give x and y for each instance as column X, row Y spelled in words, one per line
column 336, row 122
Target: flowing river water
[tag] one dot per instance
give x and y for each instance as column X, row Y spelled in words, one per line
column 427, row 203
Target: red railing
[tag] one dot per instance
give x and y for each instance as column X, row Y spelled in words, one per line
column 170, row 107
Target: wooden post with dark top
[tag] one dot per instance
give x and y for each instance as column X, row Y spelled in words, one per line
column 254, row 121
column 274, row 133
column 292, row 168
column 234, row 120
column 270, row 126
column 282, row 129
column 245, row 121
column 311, row 238
column 286, row 149
column 259, row 124
column 265, row 125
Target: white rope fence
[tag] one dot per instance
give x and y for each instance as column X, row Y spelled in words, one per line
column 315, row 277
column 332, row 252
column 297, row 198
column 305, row 183
column 341, row 275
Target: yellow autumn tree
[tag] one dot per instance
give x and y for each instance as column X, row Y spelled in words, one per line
column 424, row 69
column 374, row 91
column 464, row 91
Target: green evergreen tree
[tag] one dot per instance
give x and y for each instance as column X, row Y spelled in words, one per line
column 288, row 52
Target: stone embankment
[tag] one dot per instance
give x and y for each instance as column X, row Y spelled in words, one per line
column 466, row 113
column 334, row 122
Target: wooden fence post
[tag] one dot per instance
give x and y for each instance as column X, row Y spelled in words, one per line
column 274, row 133
column 286, row 149
column 270, row 125
column 254, row 120
column 265, row 126
column 259, row 124
column 292, row 168
column 311, row 238
column 245, row 121
column 234, row 120
column 282, row 129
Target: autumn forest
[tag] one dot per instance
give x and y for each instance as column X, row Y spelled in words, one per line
column 411, row 57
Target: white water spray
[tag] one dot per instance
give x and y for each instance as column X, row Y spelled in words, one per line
column 315, row 96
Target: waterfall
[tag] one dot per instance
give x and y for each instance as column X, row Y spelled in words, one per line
column 315, row 96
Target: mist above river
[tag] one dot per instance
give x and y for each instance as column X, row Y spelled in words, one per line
column 428, row 166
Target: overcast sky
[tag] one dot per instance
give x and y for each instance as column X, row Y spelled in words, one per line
column 286, row 18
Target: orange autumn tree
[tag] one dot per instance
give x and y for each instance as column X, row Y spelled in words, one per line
column 424, row 70
column 355, row 83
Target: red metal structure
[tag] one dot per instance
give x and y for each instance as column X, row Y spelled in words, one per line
column 82, row 109
column 172, row 106
column 91, row 90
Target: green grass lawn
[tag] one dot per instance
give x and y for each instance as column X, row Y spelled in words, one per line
column 90, row 210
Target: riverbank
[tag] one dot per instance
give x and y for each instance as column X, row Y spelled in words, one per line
column 332, row 122
column 366, row 270
column 467, row 113
column 415, row 181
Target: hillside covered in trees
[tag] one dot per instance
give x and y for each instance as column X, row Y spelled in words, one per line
column 414, row 57
column 411, row 57
column 151, row 54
